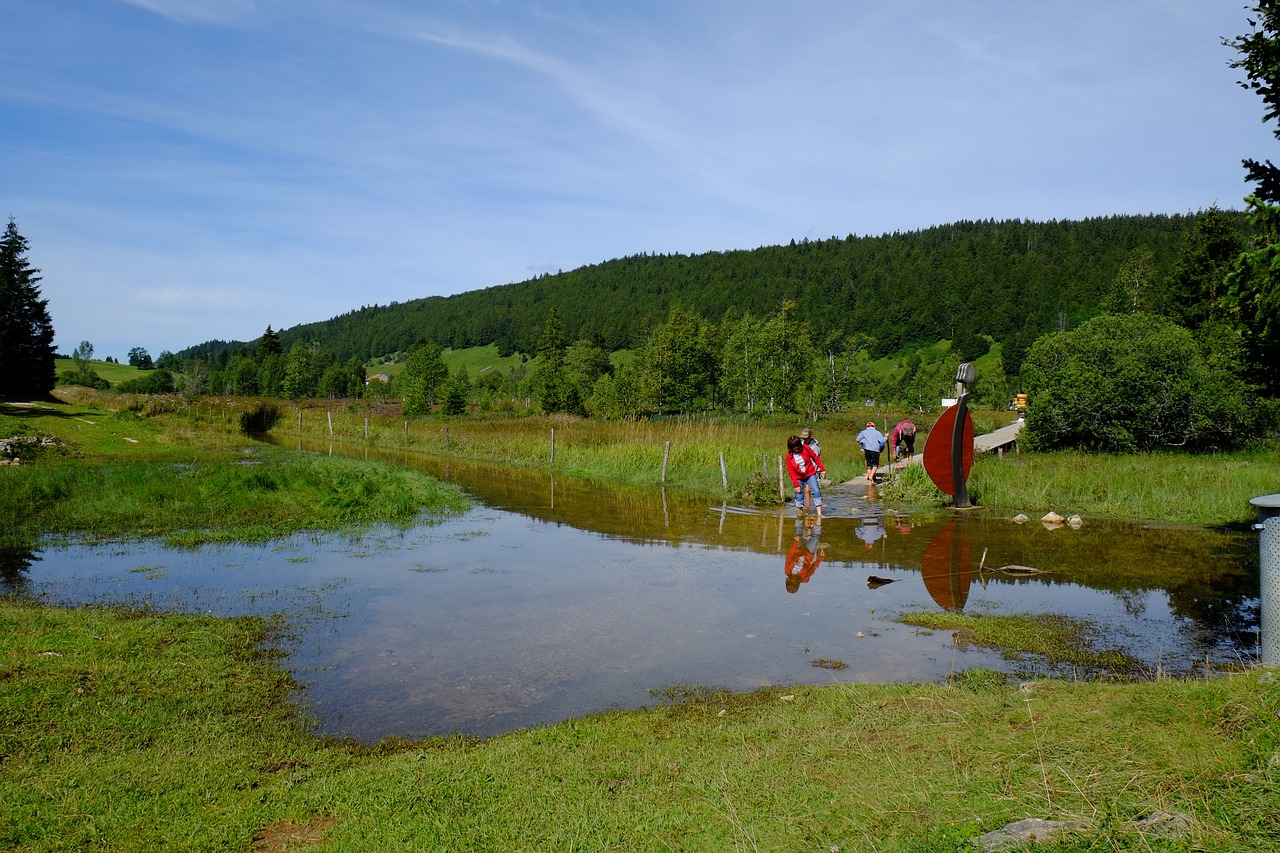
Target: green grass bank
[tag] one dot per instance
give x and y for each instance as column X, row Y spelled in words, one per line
column 130, row 731
column 117, row 475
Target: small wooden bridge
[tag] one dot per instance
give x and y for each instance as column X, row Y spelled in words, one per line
column 999, row 439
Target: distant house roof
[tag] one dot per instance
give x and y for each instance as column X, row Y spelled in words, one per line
column 378, row 377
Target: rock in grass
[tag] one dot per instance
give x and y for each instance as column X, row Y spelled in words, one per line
column 1032, row 830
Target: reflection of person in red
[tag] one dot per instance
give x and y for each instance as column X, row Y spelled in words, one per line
column 805, row 554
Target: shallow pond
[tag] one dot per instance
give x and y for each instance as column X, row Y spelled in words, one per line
column 554, row 598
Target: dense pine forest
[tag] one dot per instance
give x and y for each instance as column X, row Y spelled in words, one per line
column 1009, row 280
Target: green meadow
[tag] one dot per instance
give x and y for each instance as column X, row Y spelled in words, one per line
column 123, row 729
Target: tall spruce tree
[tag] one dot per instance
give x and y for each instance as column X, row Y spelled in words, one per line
column 1253, row 285
column 26, row 331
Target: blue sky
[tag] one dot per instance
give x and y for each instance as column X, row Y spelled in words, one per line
column 194, row 169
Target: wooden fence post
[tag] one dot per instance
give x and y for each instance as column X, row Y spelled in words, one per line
column 666, row 454
column 782, row 493
column 553, row 445
column 724, row 479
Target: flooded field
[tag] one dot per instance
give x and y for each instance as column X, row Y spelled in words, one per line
column 554, row 598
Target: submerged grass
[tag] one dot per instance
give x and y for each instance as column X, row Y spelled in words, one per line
column 1061, row 642
column 134, row 731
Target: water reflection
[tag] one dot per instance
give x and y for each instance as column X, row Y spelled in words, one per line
column 947, row 567
column 555, row 598
column 805, row 554
column 15, row 567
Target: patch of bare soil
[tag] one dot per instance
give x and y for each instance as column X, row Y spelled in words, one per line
column 287, row 835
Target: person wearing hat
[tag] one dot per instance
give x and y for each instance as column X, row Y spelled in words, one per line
column 806, row 436
column 872, row 442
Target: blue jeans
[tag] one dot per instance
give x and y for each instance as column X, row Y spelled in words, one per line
column 812, row 482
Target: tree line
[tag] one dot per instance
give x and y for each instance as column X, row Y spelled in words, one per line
column 1008, row 281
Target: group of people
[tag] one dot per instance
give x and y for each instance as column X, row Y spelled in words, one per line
column 804, row 459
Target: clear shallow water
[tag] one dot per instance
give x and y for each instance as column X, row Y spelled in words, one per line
column 552, row 599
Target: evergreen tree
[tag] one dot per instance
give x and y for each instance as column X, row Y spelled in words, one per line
column 456, row 391
column 26, row 330
column 1260, row 58
column 1198, row 281
column 1253, row 286
column 269, row 344
column 556, row 391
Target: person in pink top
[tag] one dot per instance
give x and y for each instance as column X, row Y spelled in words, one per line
column 805, row 467
column 903, row 441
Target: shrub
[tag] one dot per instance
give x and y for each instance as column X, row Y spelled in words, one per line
column 151, row 382
column 1136, row 382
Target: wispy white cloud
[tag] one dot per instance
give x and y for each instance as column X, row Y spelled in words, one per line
column 204, row 11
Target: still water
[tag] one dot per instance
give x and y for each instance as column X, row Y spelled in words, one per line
column 553, row 598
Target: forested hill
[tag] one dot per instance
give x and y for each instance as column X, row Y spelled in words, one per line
column 1012, row 280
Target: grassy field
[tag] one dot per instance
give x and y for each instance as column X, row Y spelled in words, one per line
column 627, row 452
column 1211, row 489
column 117, row 475
column 126, row 731
column 111, row 371
column 1200, row 489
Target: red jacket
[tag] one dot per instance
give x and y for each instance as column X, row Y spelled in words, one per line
column 812, row 465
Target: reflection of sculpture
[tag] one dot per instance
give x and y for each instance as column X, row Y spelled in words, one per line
column 946, row 568
column 805, row 554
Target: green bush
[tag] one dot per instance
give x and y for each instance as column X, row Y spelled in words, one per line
column 1137, row 382
column 151, row 382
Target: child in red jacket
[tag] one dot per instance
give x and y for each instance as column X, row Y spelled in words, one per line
column 805, row 467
